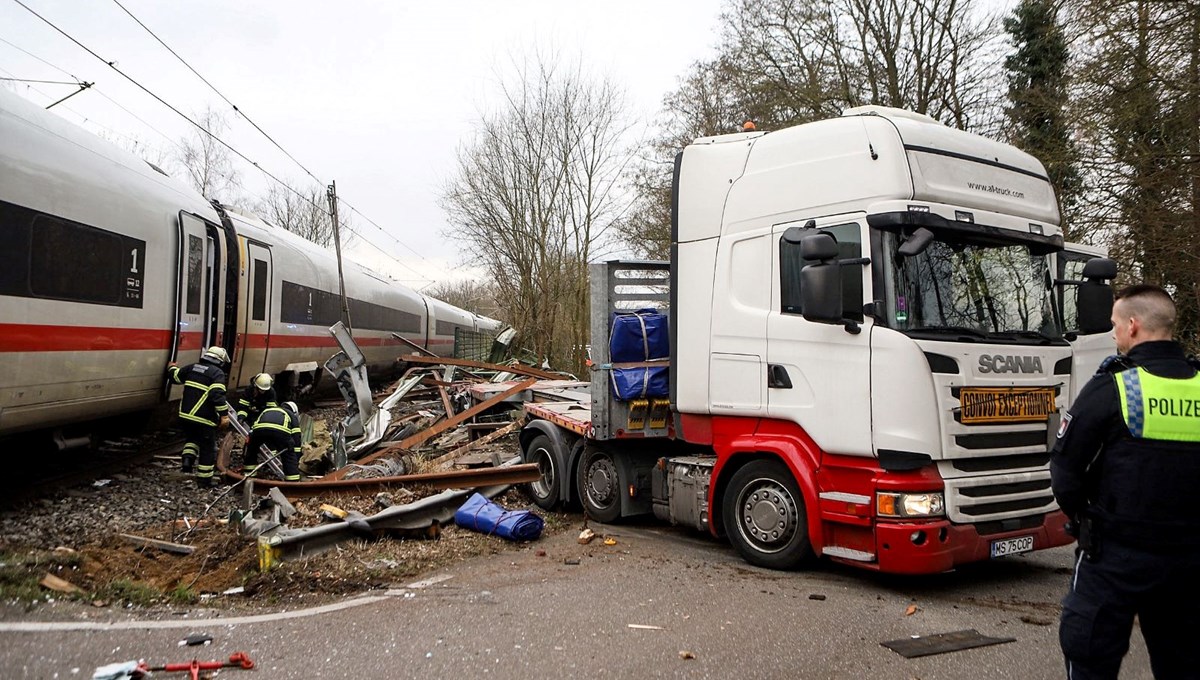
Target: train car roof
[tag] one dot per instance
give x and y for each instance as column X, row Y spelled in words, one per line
column 37, row 145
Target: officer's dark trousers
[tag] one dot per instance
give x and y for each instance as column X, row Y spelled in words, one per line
column 203, row 440
column 1098, row 611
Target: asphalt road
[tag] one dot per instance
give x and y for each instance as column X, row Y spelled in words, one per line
column 632, row 609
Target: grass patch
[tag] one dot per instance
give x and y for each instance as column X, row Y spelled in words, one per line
column 20, row 573
column 183, row 595
column 130, row 592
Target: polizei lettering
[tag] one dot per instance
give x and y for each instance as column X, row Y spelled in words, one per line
column 1177, row 408
column 1002, row 363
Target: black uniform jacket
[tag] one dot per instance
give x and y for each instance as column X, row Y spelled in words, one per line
column 254, row 402
column 203, row 392
column 278, row 428
column 1138, row 491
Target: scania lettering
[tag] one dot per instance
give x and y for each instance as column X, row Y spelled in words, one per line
column 868, row 354
column 997, row 363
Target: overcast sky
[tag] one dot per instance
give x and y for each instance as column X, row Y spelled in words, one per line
column 375, row 95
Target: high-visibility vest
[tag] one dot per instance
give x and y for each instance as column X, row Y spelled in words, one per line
column 1160, row 408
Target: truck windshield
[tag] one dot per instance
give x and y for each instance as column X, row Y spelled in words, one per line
column 970, row 292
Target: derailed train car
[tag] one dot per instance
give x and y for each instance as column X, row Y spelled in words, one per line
column 110, row 268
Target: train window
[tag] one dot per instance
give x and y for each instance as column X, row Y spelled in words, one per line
column 260, row 290
column 195, row 266
column 304, row 305
column 71, row 261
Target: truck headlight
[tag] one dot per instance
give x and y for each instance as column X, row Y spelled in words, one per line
column 891, row 504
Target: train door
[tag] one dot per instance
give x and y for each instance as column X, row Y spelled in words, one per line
column 192, row 286
column 214, row 268
column 256, row 325
column 197, row 292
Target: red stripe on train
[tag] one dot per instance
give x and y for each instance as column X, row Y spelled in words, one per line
column 20, row 337
column 16, row 337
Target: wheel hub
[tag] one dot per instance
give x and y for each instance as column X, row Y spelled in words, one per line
column 546, row 467
column 602, row 481
column 769, row 515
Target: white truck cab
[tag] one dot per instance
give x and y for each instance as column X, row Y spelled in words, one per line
column 866, row 316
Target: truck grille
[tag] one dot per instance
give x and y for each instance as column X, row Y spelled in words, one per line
column 993, row 498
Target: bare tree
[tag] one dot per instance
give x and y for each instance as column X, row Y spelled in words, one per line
column 1137, row 100
column 206, row 163
column 303, row 209
column 704, row 104
column 469, row 294
column 535, row 193
column 786, row 62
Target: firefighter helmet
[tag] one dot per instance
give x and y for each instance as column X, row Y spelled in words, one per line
column 263, row 382
column 291, row 406
column 216, row 355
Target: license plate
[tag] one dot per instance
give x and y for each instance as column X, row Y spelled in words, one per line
column 1012, row 546
column 1005, row 404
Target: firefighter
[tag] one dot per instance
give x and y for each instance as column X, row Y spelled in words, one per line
column 202, row 410
column 278, row 428
column 256, row 398
column 1125, row 470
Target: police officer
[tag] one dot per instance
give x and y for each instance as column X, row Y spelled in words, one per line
column 202, row 410
column 1126, row 471
column 259, row 396
column 278, row 428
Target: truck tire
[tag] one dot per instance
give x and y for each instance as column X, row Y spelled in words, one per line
column 765, row 518
column 545, row 491
column 599, row 482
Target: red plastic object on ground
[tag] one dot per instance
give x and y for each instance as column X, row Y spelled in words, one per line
column 236, row 660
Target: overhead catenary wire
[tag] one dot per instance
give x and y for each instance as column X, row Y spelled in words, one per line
column 239, row 154
column 261, row 130
column 219, row 94
column 42, row 82
column 95, row 89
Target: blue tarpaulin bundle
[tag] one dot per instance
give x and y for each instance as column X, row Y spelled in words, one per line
column 642, row 382
column 639, row 336
column 480, row 514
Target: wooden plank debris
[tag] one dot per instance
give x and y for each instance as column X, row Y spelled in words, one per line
column 52, row 582
column 430, row 432
column 467, row 448
column 165, row 546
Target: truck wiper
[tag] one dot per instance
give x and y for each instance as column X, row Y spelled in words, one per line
column 963, row 332
column 1034, row 335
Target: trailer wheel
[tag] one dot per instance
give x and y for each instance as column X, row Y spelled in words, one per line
column 765, row 517
column 545, row 491
column 599, row 485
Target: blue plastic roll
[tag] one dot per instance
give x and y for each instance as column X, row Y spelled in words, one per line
column 482, row 515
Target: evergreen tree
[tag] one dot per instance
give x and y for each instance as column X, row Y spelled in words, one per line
column 1037, row 94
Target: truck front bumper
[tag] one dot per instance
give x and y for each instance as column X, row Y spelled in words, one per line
column 934, row 547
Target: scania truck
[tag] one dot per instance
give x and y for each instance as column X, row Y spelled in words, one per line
column 874, row 325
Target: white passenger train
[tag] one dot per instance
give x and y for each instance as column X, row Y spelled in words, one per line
column 109, row 269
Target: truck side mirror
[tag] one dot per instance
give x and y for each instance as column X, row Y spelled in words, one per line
column 821, row 282
column 1096, row 296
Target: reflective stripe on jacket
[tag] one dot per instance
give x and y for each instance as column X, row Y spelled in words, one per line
column 203, row 392
column 278, row 429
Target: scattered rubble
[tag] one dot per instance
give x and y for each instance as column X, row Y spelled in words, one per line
column 149, row 537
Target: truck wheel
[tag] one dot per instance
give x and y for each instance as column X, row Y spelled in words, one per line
column 545, row 491
column 765, row 518
column 599, row 485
